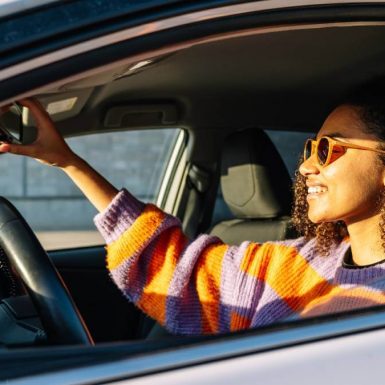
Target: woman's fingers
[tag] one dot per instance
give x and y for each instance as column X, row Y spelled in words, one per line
column 49, row 146
column 33, row 105
column 16, row 149
column 4, row 147
column 30, row 151
column 41, row 116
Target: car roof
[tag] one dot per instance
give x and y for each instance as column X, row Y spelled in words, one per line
column 286, row 74
column 284, row 79
column 11, row 7
column 277, row 71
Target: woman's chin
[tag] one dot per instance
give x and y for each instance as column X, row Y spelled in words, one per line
column 316, row 218
column 316, row 222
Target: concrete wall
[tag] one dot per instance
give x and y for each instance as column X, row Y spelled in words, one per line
column 135, row 160
column 50, row 201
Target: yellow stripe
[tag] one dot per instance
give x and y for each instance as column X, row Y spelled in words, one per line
column 208, row 277
column 287, row 273
column 160, row 272
column 135, row 237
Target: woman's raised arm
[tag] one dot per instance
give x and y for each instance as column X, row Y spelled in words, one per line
column 50, row 148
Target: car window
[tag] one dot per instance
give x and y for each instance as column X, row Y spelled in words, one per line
column 289, row 145
column 56, row 210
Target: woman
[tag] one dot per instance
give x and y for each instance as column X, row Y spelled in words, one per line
column 206, row 286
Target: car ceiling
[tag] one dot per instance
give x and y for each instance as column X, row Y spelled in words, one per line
column 286, row 79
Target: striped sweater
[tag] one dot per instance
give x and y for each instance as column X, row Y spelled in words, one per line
column 205, row 286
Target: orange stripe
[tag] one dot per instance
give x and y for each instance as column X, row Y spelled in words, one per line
column 208, row 276
column 286, row 272
column 251, row 261
column 160, row 272
column 135, row 237
column 238, row 322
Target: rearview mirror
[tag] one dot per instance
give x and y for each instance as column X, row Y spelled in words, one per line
column 11, row 124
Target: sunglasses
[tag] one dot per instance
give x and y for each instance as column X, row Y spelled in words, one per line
column 329, row 150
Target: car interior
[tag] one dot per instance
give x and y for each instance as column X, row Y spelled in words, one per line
column 224, row 91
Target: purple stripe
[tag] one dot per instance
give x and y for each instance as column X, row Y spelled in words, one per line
column 377, row 285
column 297, row 243
column 183, row 313
column 230, row 266
column 131, row 275
column 361, row 276
column 120, row 214
column 271, row 308
column 246, row 295
column 230, row 269
column 239, row 291
column 187, row 261
column 341, row 303
column 373, row 285
column 325, row 266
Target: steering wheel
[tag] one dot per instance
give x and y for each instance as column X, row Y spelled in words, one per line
column 59, row 315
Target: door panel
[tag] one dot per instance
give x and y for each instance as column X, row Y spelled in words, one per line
column 107, row 313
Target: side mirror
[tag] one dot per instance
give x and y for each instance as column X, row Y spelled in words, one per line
column 11, row 124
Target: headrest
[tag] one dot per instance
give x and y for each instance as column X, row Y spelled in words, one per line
column 255, row 182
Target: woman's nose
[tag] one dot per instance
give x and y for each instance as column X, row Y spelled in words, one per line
column 309, row 166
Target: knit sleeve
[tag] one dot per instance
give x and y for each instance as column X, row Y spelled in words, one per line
column 191, row 287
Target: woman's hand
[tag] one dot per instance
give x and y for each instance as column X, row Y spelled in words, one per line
column 49, row 146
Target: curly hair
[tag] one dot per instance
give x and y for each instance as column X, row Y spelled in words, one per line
column 369, row 103
column 325, row 232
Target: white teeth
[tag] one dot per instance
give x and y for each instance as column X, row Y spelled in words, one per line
column 316, row 190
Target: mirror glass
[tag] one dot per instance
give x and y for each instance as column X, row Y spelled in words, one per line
column 11, row 124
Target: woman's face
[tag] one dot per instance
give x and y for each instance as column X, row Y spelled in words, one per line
column 348, row 189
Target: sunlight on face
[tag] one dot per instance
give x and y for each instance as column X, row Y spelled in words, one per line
column 349, row 188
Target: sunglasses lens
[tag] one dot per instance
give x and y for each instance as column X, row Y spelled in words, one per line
column 323, row 150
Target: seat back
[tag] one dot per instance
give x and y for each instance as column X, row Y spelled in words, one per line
column 258, row 190
column 256, row 187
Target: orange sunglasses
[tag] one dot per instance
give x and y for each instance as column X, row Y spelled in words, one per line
column 328, row 149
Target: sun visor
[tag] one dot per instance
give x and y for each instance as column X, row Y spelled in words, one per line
column 60, row 106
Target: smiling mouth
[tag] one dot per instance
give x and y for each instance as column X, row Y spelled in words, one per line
column 316, row 190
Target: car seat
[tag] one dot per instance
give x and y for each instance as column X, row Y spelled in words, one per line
column 258, row 190
column 256, row 187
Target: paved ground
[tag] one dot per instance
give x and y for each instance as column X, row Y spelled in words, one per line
column 54, row 240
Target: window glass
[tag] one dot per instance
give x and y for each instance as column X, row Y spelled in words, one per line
column 289, row 145
column 56, row 209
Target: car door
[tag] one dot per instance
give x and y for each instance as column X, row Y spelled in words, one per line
column 256, row 355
